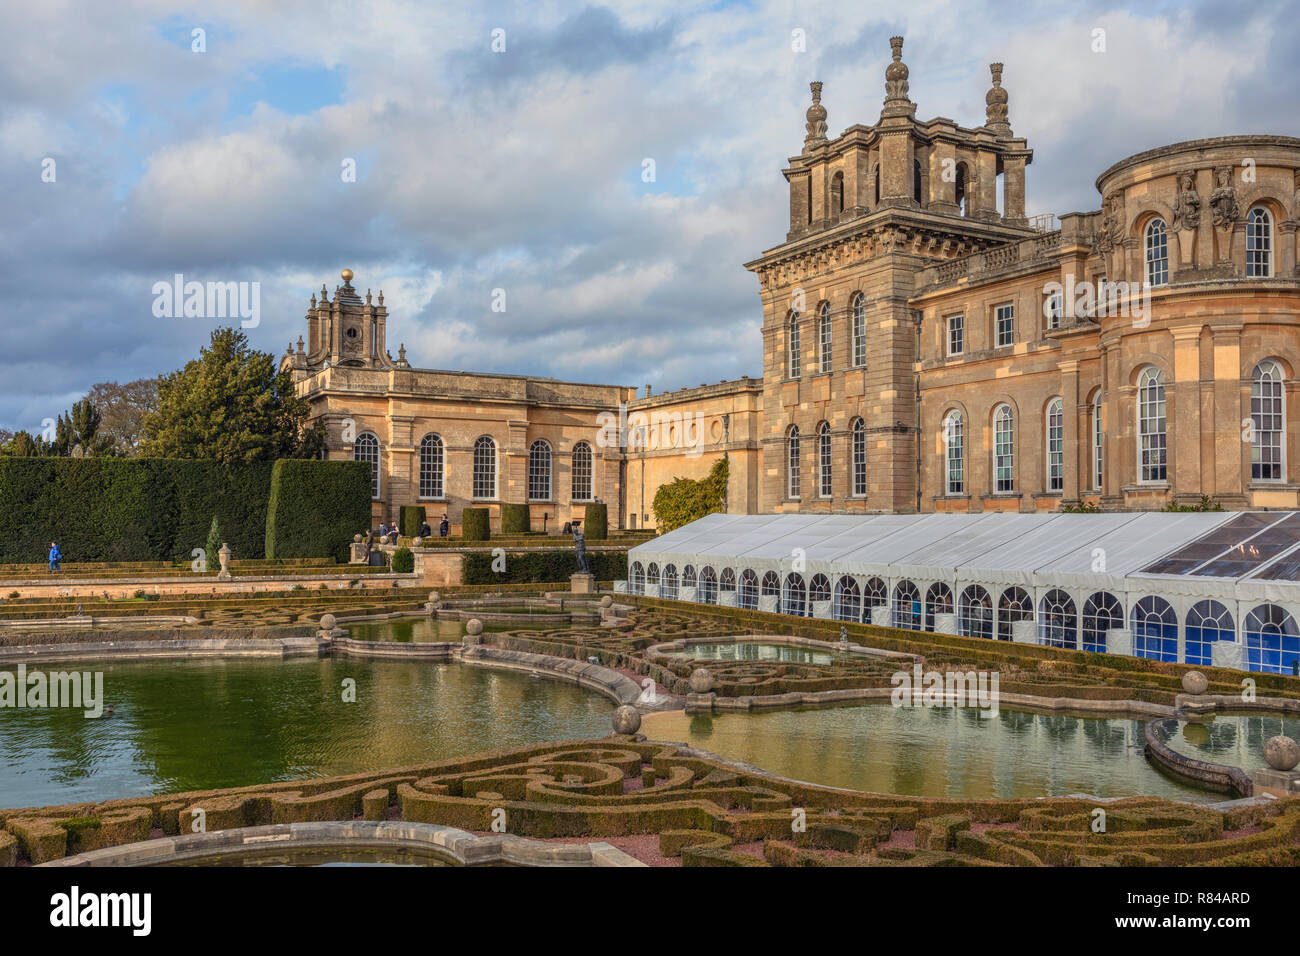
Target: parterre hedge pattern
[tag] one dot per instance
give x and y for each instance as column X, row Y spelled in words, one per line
column 316, row 507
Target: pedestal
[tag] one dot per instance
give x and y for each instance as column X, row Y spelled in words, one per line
column 358, row 553
column 1281, row 782
column 582, row 583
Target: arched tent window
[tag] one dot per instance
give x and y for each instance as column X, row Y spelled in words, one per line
column 1272, row 640
column 431, row 466
column 1157, row 252
column 485, row 468
column 580, row 486
column 907, row 606
column 859, row 311
column 539, row 470
column 1097, row 442
column 636, row 578
column 366, row 448
column 975, row 613
column 794, row 595
column 1268, row 423
column 792, row 462
column 708, row 593
column 938, row 600
column 824, row 337
column 1004, row 449
column 1155, row 629
column 1151, row 412
column 727, row 580
column 668, row 583
column 848, row 600
column 1102, row 612
column 824, row 464
column 795, row 355
column 858, row 462
column 747, row 595
column 688, row 577
column 819, row 589
column 652, row 574
column 771, row 587
column 954, row 452
column 875, row 594
column 1259, row 243
column 1058, row 623
column 1014, row 605
column 1207, row 622
column 1055, row 446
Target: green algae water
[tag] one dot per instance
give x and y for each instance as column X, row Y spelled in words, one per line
column 1234, row 739
column 935, row 751
column 192, row 725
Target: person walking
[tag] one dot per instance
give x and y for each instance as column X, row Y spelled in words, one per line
column 443, row 527
column 55, row 557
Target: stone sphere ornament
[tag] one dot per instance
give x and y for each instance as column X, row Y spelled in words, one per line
column 1281, row 752
column 474, row 627
column 356, row 538
column 626, row 720
column 328, row 622
column 701, row 681
column 1194, row 682
column 607, row 601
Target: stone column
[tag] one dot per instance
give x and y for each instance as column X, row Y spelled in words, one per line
column 1071, row 413
column 943, row 189
column 1013, row 190
column 1184, row 422
column 896, row 168
column 1229, row 450
column 986, row 183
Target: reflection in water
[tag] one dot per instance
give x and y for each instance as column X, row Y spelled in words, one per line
column 754, row 652
column 935, row 751
column 1235, row 739
column 427, row 630
column 192, row 725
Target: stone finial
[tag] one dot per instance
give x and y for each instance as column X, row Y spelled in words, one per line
column 401, row 356
column 1195, row 683
column 367, row 297
column 996, row 104
column 626, row 720
column 701, row 681
column 896, row 73
column 816, row 116
column 381, row 296
column 324, row 295
column 1282, row 753
column 300, row 344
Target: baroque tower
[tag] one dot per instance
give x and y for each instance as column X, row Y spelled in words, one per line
column 346, row 331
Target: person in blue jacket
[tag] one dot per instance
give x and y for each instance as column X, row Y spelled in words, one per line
column 55, row 557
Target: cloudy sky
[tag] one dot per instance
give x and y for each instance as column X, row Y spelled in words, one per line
column 521, row 170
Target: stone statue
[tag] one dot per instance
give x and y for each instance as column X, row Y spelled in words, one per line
column 1112, row 224
column 1187, row 207
column 580, row 549
column 1223, row 201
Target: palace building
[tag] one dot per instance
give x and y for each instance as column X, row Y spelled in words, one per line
column 928, row 347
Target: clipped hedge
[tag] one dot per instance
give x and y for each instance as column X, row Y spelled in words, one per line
column 595, row 525
column 534, row 567
column 403, row 561
column 315, row 507
column 515, row 519
column 410, row 519
column 475, row 525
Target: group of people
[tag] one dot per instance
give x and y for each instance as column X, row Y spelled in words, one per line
column 389, row 533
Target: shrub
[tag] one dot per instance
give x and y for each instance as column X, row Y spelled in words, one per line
column 475, row 525
column 403, row 561
column 411, row 517
column 595, row 525
column 534, row 567
column 212, row 551
column 683, row 500
column 315, row 507
column 515, row 519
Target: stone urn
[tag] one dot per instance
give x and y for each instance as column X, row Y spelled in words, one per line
column 223, row 556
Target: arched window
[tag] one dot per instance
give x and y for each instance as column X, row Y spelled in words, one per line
column 636, row 578
column 824, row 469
column 792, row 336
column 708, row 593
column 848, row 600
column 539, row 470
column 668, row 583
column 431, row 467
column 1155, row 629
column 954, row 452
column 975, row 613
column 1207, row 622
column 837, row 193
column 1259, row 243
column 1151, row 425
column 1268, row 421
column 1102, row 612
column 1004, row 449
column 858, row 463
column 366, row 448
column 1055, row 446
column 875, row 594
column 794, row 595
column 859, row 309
column 824, row 337
column 1097, row 443
column 771, row 587
column 1014, row 605
column 907, row 606
column 1272, row 640
column 1157, row 253
column 652, row 574
column 580, row 486
column 819, row 589
column 792, row 462
column 1058, row 623
column 727, row 580
column 485, row 468
column 688, row 576
column 938, row 600
column 747, row 596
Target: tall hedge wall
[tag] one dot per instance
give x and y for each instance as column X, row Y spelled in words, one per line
column 475, row 524
column 411, row 520
column 316, row 507
column 595, row 525
column 531, row 567
column 129, row 509
column 515, row 518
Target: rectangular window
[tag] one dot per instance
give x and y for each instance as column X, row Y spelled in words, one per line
column 1053, row 310
column 1004, row 324
column 956, row 334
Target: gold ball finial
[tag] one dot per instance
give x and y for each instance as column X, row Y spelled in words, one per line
column 347, row 275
